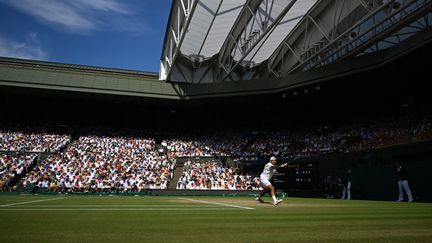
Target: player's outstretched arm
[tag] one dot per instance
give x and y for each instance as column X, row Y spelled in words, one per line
column 284, row 165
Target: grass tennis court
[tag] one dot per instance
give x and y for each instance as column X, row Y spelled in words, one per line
column 27, row 218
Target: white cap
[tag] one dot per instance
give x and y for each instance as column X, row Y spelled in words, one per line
column 272, row 158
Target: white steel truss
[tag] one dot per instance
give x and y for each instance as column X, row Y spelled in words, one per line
column 254, row 24
column 386, row 24
column 380, row 20
column 419, row 25
column 320, row 26
column 181, row 14
column 228, row 40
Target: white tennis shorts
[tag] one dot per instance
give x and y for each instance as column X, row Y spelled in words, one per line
column 265, row 181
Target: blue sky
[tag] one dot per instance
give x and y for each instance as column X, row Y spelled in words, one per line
column 109, row 33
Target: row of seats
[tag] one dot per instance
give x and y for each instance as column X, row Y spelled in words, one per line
column 115, row 163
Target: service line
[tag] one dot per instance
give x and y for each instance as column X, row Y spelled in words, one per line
column 223, row 204
column 41, row 200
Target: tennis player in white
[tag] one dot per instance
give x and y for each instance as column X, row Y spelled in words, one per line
column 266, row 175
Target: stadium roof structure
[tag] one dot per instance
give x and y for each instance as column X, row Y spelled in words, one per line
column 209, row 41
column 299, row 46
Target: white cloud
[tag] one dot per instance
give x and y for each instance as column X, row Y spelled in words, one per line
column 30, row 48
column 102, row 5
column 80, row 16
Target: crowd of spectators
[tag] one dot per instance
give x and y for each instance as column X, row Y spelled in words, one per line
column 183, row 148
column 210, row 175
column 103, row 164
column 305, row 142
column 32, row 142
column 126, row 163
column 12, row 166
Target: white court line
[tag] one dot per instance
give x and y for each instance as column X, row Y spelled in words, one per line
column 42, row 200
column 106, row 206
column 223, row 204
column 113, row 209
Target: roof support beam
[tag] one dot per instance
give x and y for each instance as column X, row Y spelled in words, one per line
column 319, row 27
column 309, row 36
column 386, row 20
column 249, row 30
column 278, row 58
column 209, row 28
column 245, row 15
column 365, row 5
column 178, row 26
